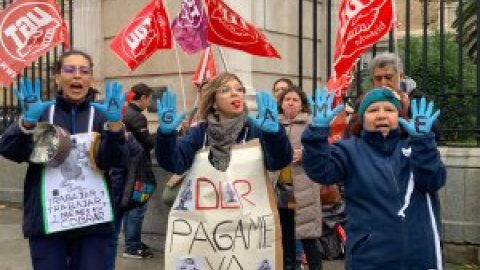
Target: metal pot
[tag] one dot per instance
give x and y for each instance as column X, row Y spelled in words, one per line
column 51, row 145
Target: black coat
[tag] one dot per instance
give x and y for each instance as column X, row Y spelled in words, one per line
column 137, row 124
column 17, row 146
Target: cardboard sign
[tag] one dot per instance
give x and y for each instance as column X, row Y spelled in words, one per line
column 225, row 220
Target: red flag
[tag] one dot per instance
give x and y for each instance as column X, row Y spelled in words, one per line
column 148, row 32
column 29, row 28
column 206, row 69
column 227, row 28
column 361, row 24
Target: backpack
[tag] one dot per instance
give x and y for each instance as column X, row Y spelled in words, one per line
column 140, row 182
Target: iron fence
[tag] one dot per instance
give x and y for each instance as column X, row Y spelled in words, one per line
column 429, row 64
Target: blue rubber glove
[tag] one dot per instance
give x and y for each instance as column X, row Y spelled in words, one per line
column 322, row 108
column 267, row 119
column 114, row 99
column 30, row 100
column 168, row 118
column 422, row 118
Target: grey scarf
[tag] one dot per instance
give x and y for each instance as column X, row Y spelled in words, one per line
column 222, row 135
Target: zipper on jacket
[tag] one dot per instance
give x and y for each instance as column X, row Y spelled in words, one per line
column 389, row 165
column 74, row 120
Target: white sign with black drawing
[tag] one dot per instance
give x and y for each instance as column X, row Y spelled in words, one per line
column 74, row 194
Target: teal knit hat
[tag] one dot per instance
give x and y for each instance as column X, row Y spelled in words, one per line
column 376, row 95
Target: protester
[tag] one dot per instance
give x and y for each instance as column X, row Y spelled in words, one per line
column 80, row 246
column 303, row 217
column 136, row 123
column 281, row 85
column 391, row 182
column 222, row 109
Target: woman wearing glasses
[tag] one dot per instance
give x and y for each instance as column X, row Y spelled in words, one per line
column 68, row 221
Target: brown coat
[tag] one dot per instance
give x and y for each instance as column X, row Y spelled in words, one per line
column 308, row 211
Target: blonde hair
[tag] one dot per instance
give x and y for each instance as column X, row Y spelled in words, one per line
column 210, row 90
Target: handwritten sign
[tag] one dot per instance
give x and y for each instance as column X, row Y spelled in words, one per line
column 225, row 220
column 75, row 195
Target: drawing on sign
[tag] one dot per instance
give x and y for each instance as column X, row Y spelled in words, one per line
column 185, row 196
column 71, row 169
column 188, row 263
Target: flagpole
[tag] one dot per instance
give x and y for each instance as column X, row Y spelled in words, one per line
column 223, row 58
column 182, row 84
column 394, row 27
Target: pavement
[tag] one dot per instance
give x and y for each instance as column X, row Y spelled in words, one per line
column 14, row 251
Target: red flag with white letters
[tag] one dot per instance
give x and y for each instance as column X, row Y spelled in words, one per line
column 206, row 69
column 28, row 29
column 227, row 28
column 148, row 32
column 361, row 24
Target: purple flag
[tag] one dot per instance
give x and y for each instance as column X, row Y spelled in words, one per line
column 190, row 27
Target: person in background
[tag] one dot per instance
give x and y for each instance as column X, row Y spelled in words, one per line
column 391, row 181
column 82, row 248
column 136, row 123
column 302, row 219
column 281, row 85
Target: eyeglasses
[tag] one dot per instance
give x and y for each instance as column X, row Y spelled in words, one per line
column 226, row 89
column 388, row 77
column 70, row 69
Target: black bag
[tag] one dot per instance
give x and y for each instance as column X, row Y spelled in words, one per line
column 139, row 184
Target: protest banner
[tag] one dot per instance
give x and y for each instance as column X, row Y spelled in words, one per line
column 225, row 220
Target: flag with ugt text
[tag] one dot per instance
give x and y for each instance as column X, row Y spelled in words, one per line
column 190, row 27
column 146, row 33
column 28, row 29
column 361, row 24
column 227, row 28
column 206, row 69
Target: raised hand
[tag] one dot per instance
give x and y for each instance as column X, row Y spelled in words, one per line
column 267, row 113
column 422, row 118
column 31, row 101
column 322, row 108
column 114, row 99
column 168, row 118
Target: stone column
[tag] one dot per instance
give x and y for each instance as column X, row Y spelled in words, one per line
column 87, row 32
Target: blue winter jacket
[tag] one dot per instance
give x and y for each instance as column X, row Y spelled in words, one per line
column 391, row 189
column 17, row 146
column 177, row 155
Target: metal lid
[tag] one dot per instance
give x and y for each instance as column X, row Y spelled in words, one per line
column 51, row 144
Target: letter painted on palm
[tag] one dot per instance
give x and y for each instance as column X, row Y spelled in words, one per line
column 29, row 100
column 420, row 123
column 168, row 116
column 320, row 108
column 268, row 115
column 113, row 103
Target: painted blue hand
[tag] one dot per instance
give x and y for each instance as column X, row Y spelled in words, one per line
column 322, row 108
column 114, row 99
column 267, row 119
column 30, row 100
column 422, row 118
column 168, row 118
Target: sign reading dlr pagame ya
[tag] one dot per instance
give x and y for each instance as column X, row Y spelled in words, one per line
column 225, row 220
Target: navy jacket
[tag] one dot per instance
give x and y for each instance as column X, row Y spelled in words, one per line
column 390, row 226
column 177, row 155
column 17, row 146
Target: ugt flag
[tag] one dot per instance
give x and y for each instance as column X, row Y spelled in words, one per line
column 206, row 69
column 361, row 24
column 28, row 29
column 190, row 27
column 147, row 32
column 227, row 28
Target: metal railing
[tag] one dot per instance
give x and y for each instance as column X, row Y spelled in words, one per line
column 460, row 104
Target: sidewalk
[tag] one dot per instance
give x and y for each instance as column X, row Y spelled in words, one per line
column 14, row 253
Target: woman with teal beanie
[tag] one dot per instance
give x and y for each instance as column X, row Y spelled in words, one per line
column 391, row 181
